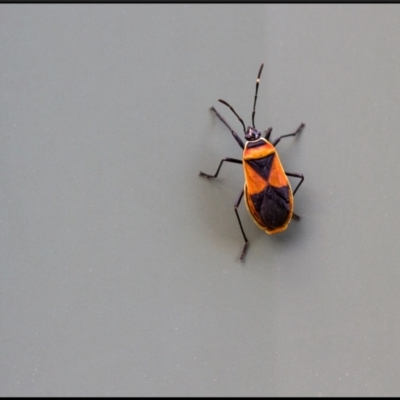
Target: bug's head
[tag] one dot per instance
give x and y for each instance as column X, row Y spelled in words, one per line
column 252, row 134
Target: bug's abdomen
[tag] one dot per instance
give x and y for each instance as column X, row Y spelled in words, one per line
column 268, row 194
column 273, row 208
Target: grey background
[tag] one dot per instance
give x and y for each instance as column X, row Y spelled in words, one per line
column 119, row 265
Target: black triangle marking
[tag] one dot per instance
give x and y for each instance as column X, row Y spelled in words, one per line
column 262, row 165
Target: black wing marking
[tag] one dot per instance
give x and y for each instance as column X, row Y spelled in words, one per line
column 273, row 206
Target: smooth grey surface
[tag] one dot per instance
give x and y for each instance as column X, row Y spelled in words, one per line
column 120, row 271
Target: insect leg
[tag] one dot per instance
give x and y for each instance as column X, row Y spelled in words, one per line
column 299, row 129
column 268, row 133
column 235, row 135
column 232, row 160
column 301, row 176
column 237, row 202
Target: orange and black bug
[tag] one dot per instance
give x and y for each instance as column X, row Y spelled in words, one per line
column 267, row 190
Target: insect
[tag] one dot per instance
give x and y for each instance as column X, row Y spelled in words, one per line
column 267, row 190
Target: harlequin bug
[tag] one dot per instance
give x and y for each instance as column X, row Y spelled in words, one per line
column 267, row 190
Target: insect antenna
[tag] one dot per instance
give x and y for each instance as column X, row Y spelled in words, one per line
column 240, row 119
column 255, row 96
